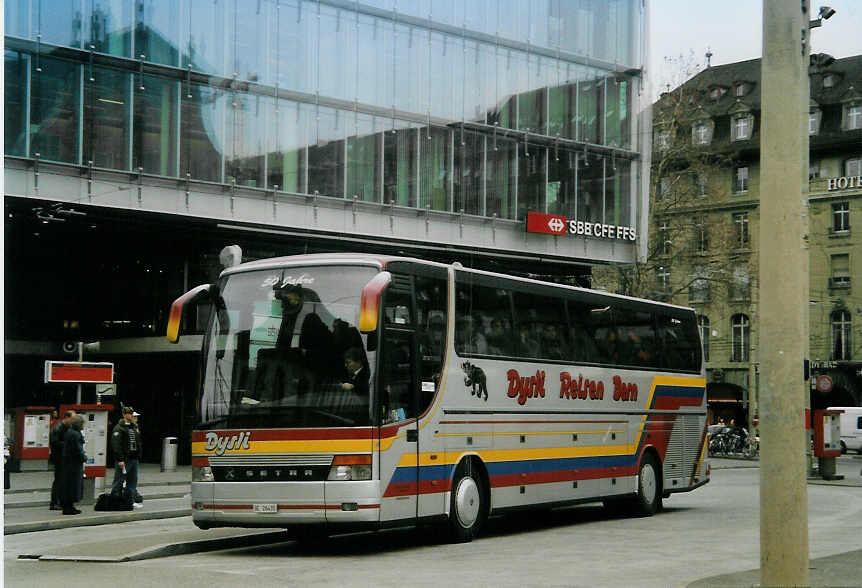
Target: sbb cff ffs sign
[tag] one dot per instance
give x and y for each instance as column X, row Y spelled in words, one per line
column 77, row 372
column 555, row 224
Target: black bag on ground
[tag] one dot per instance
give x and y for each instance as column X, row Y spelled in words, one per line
column 108, row 501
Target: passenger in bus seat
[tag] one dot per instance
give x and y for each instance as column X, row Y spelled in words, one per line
column 468, row 336
column 552, row 344
column 357, row 371
column 498, row 338
column 527, row 344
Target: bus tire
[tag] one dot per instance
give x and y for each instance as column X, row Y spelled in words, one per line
column 467, row 508
column 647, row 500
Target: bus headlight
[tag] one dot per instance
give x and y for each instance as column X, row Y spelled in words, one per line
column 350, row 467
column 202, row 474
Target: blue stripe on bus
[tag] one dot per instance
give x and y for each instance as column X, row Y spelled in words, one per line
column 690, row 391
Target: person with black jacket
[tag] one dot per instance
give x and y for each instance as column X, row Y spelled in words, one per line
column 55, row 457
column 126, row 444
column 72, row 488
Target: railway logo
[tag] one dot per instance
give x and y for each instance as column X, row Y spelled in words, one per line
column 557, row 225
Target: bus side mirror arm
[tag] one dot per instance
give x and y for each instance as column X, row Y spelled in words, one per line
column 193, row 296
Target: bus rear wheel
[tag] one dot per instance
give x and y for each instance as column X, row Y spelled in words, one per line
column 649, row 491
column 467, row 509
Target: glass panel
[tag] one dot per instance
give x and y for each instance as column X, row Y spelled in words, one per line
column 617, row 114
column 16, row 18
column 507, row 87
column 338, row 53
column 590, row 189
column 107, row 26
column 247, row 121
column 486, row 83
column 473, row 87
column 441, row 76
column 246, row 46
column 483, row 319
column 60, row 23
column 618, row 202
column 155, row 127
column 590, row 101
column 468, row 176
column 287, row 143
column 106, row 119
column 15, row 103
column 363, row 160
column 54, row 109
column 202, row 140
column 435, row 146
column 203, row 35
column 326, row 153
column 531, row 179
column 500, row 183
column 293, row 45
column 157, row 30
column 374, row 64
column 399, row 166
column 538, row 322
column 561, row 182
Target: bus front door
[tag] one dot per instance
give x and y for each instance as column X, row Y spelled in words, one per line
column 399, row 434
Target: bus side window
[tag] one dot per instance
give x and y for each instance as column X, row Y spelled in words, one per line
column 396, row 363
column 431, row 300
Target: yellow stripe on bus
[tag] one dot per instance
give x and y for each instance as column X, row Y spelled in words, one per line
column 497, row 455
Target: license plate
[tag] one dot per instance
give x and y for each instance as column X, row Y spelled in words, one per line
column 265, row 508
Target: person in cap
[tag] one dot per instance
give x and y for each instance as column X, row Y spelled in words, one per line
column 126, row 444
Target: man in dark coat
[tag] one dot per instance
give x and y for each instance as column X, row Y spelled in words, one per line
column 72, row 488
column 357, row 371
column 56, row 438
column 126, row 443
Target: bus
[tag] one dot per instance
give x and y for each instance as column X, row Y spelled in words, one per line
column 349, row 391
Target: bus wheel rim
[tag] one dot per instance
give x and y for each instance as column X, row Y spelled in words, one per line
column 648, row 483
column 467, row 501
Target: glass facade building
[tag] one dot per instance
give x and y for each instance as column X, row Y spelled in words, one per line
column 488, row 107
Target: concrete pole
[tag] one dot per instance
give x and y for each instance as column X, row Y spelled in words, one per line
column 783, row 294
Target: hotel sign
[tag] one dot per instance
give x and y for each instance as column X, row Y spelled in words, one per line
column 844, row 182
column 556, row 224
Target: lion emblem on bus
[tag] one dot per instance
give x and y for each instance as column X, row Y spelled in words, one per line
column 475, row 378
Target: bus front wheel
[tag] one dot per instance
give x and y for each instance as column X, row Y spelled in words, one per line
column 467, row 508
column 649, row 491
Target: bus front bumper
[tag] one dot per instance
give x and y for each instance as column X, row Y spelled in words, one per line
column 284, row 504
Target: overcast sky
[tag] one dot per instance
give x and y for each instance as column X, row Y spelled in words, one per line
column 732, row 31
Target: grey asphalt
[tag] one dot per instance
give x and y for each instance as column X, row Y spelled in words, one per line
column 160, row 490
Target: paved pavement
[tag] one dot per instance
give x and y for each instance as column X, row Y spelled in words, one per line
column 166, row 496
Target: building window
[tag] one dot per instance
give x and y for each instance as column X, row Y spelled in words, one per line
column 717, row 92
column 698, row 291
column 664, row 238
column 830, row 80
column 853, row 167
column 853, row 117
column 740, row 283
column 813, row 170
column 663, row 279
column 703, row 327
column 701, row 235
column 840, row 270
column 740, row 129
column 740, row 225
column 740, row 179
column 739, row 334
column 701, row 185
column 662, row 140
column 664, row 188
column 741, row 90
column 814, row 122
column 841, row 335
column 702, row 133
column 841, row 217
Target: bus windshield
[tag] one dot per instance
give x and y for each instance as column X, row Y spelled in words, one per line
column 283, row 350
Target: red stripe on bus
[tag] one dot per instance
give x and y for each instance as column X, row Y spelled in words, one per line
column 287, row 506
column 526, row 479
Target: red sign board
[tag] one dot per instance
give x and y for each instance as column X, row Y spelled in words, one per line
column 76, row 372
column 551, row 224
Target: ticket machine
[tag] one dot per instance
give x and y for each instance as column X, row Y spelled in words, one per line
column 96, row 436
column 32, row 433
column 827, row 441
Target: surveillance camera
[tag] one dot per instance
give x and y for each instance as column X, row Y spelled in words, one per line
column 826, row 12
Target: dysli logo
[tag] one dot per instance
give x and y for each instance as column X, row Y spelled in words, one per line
column 222, row 443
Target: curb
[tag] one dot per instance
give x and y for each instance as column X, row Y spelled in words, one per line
column 92, row 521
column 47, row 503
column 173, row 549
